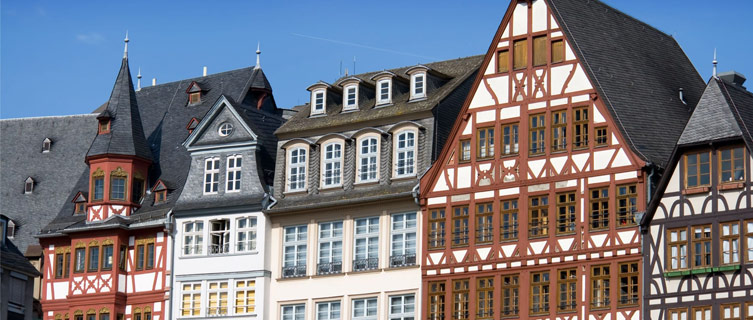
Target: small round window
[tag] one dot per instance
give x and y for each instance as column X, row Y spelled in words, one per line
column 226, row 129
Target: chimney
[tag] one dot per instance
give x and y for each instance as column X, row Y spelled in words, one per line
column 733, row 77
column 154, row 82
column 205, row 71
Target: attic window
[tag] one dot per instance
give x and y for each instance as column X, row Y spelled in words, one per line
column 194, row 97
column 317, row 101
column 46, row 145
column 225, row 129
column 11, row 229
column 29, row 185
column 104, row 125
column 160, row 196
column 351, row 97
column 80, row 208
column 383, row 91
column 418, row 86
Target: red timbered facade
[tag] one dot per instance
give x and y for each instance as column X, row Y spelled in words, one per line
column 529, row 212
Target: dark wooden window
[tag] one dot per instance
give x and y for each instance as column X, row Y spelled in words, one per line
column 137, row 190
column 627, row 202
column 730, row 238
column 485, row 298
column 459, row 226
column 732, row 164
column 730, row 311
column 98, row 188
column 558, row 51
column 539, row 293
column 539, row 51
column 600, row 208
column 702, row 313
column 80, row 207
column 567, row 292
column 600, row 287
column 538, row 217
column 484, row 227
column 749, row 311
column 436, row 300
column 150, row 256
column 580, row 127
column 559, row 130
column 464, row 150
column 117, row 188
column 122, row 258
column 104, row 316
column 508, row 220
column 503, row 61
column 107, row 257
column 485, row 143
column 536, row 128
column 749, row 242
column 194, row 97
column 697, row 169
column 93, row 259
column 104, row 126
column 520, row 54
column 140, row 257
column 510, row 288
column 78, row 265
column 701, row 242
column 602, row 136
column 436, row 228
column 60, row 266
column 460, row 301
column 677, row 249
column 510, row 139
column 678, row 314
column 566, row 213
column 628, row 284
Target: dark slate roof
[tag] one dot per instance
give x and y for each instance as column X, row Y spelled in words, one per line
column 11, row 258
column 712, row 119
column 165, row 112
column 637, row 71
column 54, row 172
column 126, row 136
column 264, row 125
column 457, row 69
column 259, row 80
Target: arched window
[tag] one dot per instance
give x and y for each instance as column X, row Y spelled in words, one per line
column 368, row 159
column 405, row 154
column 297, row 169
column 332, row 164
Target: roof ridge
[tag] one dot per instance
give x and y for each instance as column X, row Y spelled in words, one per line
column 359, row 75
column 734, row 107
column 195, row 78
column 631, row 17
column 50, row 117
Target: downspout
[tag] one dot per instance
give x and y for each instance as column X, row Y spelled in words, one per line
column 169, row 226
column 649, row 193
column 416, row 194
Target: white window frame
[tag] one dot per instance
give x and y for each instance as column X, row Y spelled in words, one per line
column 335, row 161
column 414, row 94
column 248, row 233
column 224, row 236
column 366, row 234
column 233, row 173
column 196, row 246
column 403, row 232
column 225, row 129
column 730, row 248
column 316, row 107
column 297, row 312
column 333, row 310
column 347, row 106
column 300, row 168
column 212, row 175
column 46, row 145
column 29, row 185
column 405, row 303
column 330, row 246
column 361, row 156
column 218, row 291
column 249, row 287
column 369, row 305
column 192, row 293
column 298, row 243
column 380, row 85
column 410, row 152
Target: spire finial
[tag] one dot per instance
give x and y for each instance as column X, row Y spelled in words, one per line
column 713, row 74
column 138, row 82
column 125, row 51
column 258, row 53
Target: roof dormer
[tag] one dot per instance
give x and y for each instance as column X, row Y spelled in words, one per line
column 79, row 203
column 29, row 185
column 46, row 145
column 351, row 87
column 384, row 87
column 321, row 94
column 418, row 80
column 194, row 92
column 160, row 192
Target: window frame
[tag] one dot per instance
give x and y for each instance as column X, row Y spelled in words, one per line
column 732, row 162
column 409, row 151
column 79, row 262
column 485, row 298
column 581, row 123
column 328, row 260
column 371, row 156
column 222, row 236
column 539, row 61
column 510, row 140
column 408, row 309
column 248, row 232
column 680, row 246
column 600, row 287
column 461, row 299
column 630, row 284
column 567, row 279
column 598, row 218
column 317, row 107
column 562, row 50
column 539, row 214
column 464, row 157
column 248, row 289
column 413, row 85
column 233, row 173
column 677, row 313
column 369, row 304
column 196, row 248
column 381, row 84
column 731, row 307
column 485, row 146
column 300, row 246
column 298, row 311
column 218, row 292
column 599, row 140
column 437, row 304
column 368, row 233
column 332, row 312
column 559, row 130
column 566, row 213
column 460, row 226
column 92, row 258
column 542, row 308
column 539, row 131
column 437, row 228
column 708, row 249
column 523, row 63
column 103, row 265
column 503, row 54
column 347, row 106
column 406, row 255
column 510, row 210
column 193, row 293
column 748, row 224
column 300, row 167
column 212, row 175
column 484, row 216
column 704, row 310
column 510, row 295
column 335, row 159
column 699, row 167
column 729, row 239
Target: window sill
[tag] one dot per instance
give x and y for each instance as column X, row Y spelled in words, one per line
column 633, row 225
column 601, row 145
column 686, row 272
column 406, row 177
column 331, row 188
column 417, row 99
column 598, row 230
column 383, row 104
column 366, row 183
column 199, row 256
column 731, row 185
column 295, row 192
column 696, row 190
column 508, row 155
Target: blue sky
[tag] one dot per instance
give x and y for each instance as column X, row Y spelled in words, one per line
column 61, row 57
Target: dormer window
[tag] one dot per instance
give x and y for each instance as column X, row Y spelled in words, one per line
column 194, row 97
column 351, row 98
column 46, row 145
column 104, row 126
column 80, row 207
column 317, row 102
column 160, row 192
column 29, row 185
column 418, row 86
column 11, row 229
column 384, row 94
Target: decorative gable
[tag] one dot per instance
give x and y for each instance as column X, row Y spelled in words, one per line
column 222, row 126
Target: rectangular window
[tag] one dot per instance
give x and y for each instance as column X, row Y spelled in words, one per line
column 536, row 128
column 701, row 246
column 677, row 241
column 732, row 164
column 558, row 51
column 510, row 288
column 402, row 307
column 702, row 313
column 510, row 139
column 678, row 314
column 567, row 292
column 749, row 311
column 297, row 173
column 365, row 309
column 628, row 284
column 140, row 257
column 99, row 188
column 418, row 86
column 460, row 300
column 384, row 91
column 332, row 161
column 485, row 143
column 193, row 237
column 245, row 296
column 520, row 54
column 80, row 260
column 122, row 258
column 405, row 154
column 602, row 136
column 149, row 255
column 437, row 300
column 104, row 316
column 217, row 298
column 211, row 175
column 627, row 202
column 93, row 259
column 749, row 240
column 117, row 188
column 600, row 287
column 566, row 213
column 730, row 239
column 540, row 293
column 730, row 312
column 503, row 62
column 459, row 226
column 508, row 220
column 328, row 310
column 600, row 208
column 485, row 298
column 294, row 263
column 368, row 155
column 403, row 244
column 697, row 169
column 62, row 263
column 484, row 227
column 330, row 247
column 191, row 299
column 539, row 51
column 559, row 130
column 137, row 190
column 294, row 312
column 246, row 234
column 366, row 247
column 436, row 228
column 580, row 127
column 107, row 257
column 219, row 237
column 234, row 164
column 318, row 102
column 464, row 154
column 538, row 217
column 350, row 96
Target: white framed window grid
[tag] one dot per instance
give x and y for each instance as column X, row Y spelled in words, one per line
column 318, row 100
column 329, row 310
column 295, row 247
column 351, row 97
column 297, row 169
column 402, row 307
column 211, row 175
column 405, row 154
column 332, row 156
column 193, row 237
column 418, row 85
column 245, row 296
column 330, row 247
column 217, row 298
column 190, row 299
column 368, row 159
column 366, row 244
column 233, row 176
column 246, row 234
column 293, row 312
column 403, row 241
column 384, row 92
column 365, row 309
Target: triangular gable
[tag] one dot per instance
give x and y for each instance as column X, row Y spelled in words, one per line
column 206, row 135
column 712, row 119
column 80, row 197
column 159, row 186
column 193, row 87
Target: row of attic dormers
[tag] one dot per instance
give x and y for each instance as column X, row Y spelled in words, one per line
column 381, row 89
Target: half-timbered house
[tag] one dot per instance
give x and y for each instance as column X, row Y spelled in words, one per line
column 699, row 227
column 530, row 210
